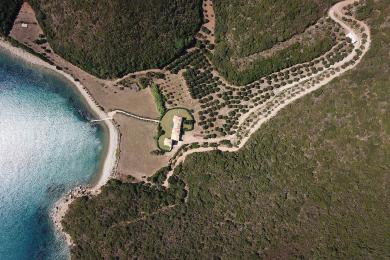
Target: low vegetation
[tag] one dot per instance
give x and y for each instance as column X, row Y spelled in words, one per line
column 364, row 11
column 158, row 99
column 113, row 38
column 278, row 21
column 8, row 11
column 135, row 202
column 241, row 32
column 295, row 54
column 160, row 176
column 312, row 183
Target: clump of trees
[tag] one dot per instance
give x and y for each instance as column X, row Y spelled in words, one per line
column 113, row 38
column 297, row 53
column 194, row 58
column 8, row 11
column 252, row 35
column 158, row 99
column 200, row 83
column 144, row 82
column 160, row 176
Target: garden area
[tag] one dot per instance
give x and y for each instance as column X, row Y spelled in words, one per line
column 166, row 124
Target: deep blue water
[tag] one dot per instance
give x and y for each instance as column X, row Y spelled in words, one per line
column 47, row 146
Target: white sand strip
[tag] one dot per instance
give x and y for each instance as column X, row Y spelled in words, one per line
column 110, row 158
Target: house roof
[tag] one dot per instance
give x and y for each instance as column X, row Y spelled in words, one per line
column 176, row 129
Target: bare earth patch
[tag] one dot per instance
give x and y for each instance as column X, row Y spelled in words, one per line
column 137, row 141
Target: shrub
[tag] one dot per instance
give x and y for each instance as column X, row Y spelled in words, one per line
column 158, row 99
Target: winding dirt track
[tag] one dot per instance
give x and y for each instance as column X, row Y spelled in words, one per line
column 335, row 13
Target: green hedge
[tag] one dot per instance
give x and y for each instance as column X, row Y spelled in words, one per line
column 158, row 99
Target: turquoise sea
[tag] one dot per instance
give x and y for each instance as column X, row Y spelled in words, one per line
column 47, row 147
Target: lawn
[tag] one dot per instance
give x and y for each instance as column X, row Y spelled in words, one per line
column 166, row 124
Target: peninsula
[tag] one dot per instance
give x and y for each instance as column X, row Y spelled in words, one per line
column 211, row 119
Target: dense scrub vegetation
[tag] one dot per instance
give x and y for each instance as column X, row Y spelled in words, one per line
column 136, row 201
column 364, row 11
column 312, row 183
column 8, row 12
column 298, row 53
column 112, row 38
column 241, row 31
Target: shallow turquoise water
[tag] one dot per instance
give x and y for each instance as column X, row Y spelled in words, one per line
column 47, row 146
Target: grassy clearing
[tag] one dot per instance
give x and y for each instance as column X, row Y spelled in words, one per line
column 312, row 183
column 113, row 38
column 166, row 124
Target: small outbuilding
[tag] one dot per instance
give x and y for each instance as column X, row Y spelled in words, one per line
column 352, row 36
column 168, row 143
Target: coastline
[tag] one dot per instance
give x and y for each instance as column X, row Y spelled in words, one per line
column 108, row 158
column 108, row 161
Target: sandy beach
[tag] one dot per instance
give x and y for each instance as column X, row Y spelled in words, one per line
column 101, row 97
column 109, row 159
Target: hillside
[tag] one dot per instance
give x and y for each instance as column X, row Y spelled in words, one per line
column 8, row 11
column 311, row 183
column 241, row 33
column 113, row 38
